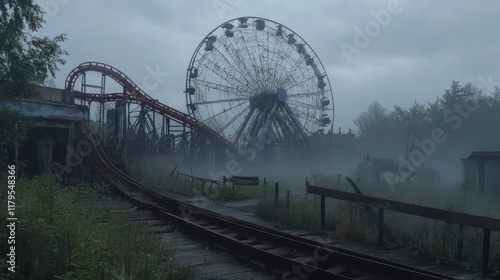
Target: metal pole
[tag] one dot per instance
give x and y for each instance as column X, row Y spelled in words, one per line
column 276, row 194
column 287, row 200
column 381, row 226
column 486, row 249
column 307, row 186
column 322, row 212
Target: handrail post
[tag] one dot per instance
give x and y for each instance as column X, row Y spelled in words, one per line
column 486, row 249
column 287, row 200
column 381, row 227
column 276, row 194
column 322, row 222
column 307, row 186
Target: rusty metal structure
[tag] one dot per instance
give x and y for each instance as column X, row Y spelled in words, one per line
column 252, row 85
column 254, row 89
column 132, row 122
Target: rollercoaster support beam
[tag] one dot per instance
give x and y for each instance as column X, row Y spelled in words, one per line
column 132, row 94
column 101, row 115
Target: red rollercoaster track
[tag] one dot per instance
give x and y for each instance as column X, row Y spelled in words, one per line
column 134, row 94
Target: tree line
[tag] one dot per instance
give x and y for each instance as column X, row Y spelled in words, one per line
column 469, row 118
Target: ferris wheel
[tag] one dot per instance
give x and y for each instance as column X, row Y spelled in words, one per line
column 257, row 83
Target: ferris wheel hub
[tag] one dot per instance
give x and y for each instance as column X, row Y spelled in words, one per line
column 281, row 94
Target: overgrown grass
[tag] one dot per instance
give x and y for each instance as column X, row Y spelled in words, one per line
column 59, row 235
column 163, row 181
column 443, row 242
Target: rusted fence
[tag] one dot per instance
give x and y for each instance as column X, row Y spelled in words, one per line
column 485, row 223
column 203, row 181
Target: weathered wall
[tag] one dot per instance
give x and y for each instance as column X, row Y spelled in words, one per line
column 48, row 110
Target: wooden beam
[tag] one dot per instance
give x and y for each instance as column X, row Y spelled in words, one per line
column 322, row 224
column 486, row 249
column 417, row 210
column 381, row 226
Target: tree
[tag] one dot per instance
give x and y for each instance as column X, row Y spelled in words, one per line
column 25, row 61
column 469, row 118
column 372, row 120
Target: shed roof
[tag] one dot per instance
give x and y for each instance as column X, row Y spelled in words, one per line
column 484, row 155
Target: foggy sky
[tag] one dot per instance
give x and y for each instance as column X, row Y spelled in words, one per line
column 414, row 57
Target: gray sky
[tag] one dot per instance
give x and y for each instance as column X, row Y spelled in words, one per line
column 413, row 55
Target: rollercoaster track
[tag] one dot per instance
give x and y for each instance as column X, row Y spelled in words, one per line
column 136, row 95
column 240, row 237
column 109, row 71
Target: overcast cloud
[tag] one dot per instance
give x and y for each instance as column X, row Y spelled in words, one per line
column 425, row 45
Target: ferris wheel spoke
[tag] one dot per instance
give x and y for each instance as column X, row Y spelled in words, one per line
column 220, row 101
column 263, row 54
column 252, row 61
column 233, row 119
column 225, row 111
column 283, row 56
column 308, row 117
column 219, row 87
column 291, row 72
column 234, row 54
column 314, row 93
column 300, row 82
column 303, row 104
column 232, row 66
column 293, row 130
column 239, row 132
column 222, row 73
column 303, row 114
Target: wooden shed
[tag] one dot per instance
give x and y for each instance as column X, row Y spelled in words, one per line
column 481, row 171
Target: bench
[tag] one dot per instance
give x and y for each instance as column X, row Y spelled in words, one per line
column 244, row 181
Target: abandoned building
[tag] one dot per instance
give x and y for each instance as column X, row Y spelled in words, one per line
column 56, row 119
column 481, row 172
